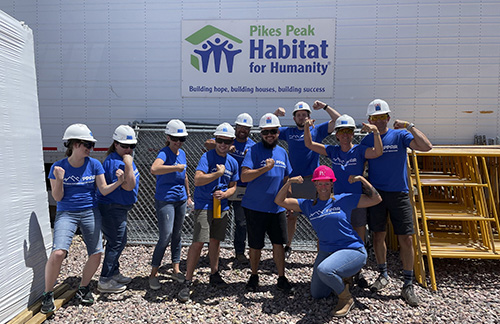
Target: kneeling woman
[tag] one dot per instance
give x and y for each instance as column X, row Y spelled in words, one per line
column 341, row 251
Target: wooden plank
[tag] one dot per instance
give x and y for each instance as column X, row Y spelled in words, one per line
column 63, row 299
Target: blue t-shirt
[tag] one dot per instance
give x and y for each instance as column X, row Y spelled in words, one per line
column 388, row 171
column 262, row 190
column 302, row 159
column 239, row 155
column 345, row 164
column 119, row 196
column 203, row 198
column 78, row 183
column 331, row 219
column 171, row 187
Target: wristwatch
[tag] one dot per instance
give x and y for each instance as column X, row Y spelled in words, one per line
column 410, row 126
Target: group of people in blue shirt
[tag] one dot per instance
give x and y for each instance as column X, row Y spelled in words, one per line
column 263, row 187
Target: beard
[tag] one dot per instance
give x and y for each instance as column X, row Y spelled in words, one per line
column 270, row 145
column 300, row 125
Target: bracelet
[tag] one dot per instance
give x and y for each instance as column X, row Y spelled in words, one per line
column 326, row 106
column 410, row 126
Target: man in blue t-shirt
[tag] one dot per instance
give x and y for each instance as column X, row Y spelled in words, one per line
column 303, row 160
column 215, row 180
column 388, row 175
column 265, row 168
column 242, row 143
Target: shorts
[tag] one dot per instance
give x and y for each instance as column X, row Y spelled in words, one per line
column 400, row 210
column 358, row 217
column 305, row 190
column 66, row 224
column 260, row 223
column 206, row 227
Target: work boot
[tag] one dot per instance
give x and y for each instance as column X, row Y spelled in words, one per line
column 346, row 302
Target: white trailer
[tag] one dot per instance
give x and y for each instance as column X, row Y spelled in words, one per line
column 106, row 62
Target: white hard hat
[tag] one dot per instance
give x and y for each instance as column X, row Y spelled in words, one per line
column 78, row 131
column 345, row 121
column 244, row 119
column 301, row 106
column 125, row 135
column 176, row 128
column 269, row 120
column 226, row 130
column 377, row 107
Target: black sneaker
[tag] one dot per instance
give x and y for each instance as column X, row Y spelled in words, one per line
column 47, row 302
column 217, row 281
column 185, row 292
column 84, row 295
column 360, row 280
column 284, row 285
column 253, row 283
column 288, row 252
column 409, row 296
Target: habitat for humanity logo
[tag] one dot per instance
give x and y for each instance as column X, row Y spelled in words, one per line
column 213, row 50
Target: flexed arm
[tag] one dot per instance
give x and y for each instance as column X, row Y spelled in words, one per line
column 309, row 143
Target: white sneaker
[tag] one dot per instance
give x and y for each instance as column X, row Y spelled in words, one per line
column 110, row 286
column 121, row 278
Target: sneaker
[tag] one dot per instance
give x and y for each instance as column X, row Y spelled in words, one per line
column 154, row 283
column 179, row 277
column 409, row 296
column 379, row 284
column 253, row 283
column 47, row 302
column 110, row 286
column 84, row 295
column 288, row 252
column 185, row 292
column 241, row 258
column 360, row 280
column 121, row 279
column 284, row 285
column 217, row 281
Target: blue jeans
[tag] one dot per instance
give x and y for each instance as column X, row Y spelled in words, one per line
column 114, row 228
column 330, row 268
column 170, row 219
column 66, row 223
column 240, row 229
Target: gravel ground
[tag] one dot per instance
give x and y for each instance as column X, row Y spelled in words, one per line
column 468, row 292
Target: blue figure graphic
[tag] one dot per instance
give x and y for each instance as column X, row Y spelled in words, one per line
column 230, row 57
column 205, row 56
column 217, row 50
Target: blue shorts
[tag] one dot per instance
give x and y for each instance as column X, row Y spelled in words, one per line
column 66, row 223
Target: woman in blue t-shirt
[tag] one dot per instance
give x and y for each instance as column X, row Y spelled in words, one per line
column 341, row 251
column 115, row 206
column 73, row 181
column 172, row 196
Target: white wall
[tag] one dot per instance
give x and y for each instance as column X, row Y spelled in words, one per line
column 24, row 218
column 106, row 62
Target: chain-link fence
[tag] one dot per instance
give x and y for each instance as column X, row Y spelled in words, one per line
column 142, row 222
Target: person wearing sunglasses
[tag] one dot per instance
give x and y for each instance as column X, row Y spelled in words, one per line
column 388, row 175
column 265, row 168
column 171, row 199
column 73, row 181
column 341, row 251
column 303, row 160
column 115, row 207
column 215, row 181
column 348, row 159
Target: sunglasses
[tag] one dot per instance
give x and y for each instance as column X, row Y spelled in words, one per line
column 88, row 145
column 177, row 139
column 126, row 146
column 378, row 117
column 225, row 141
column 273, row 131
column 345, row 131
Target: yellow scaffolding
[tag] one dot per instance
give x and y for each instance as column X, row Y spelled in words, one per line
column 454, row 193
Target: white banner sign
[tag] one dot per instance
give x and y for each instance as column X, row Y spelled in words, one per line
column 258, row 58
